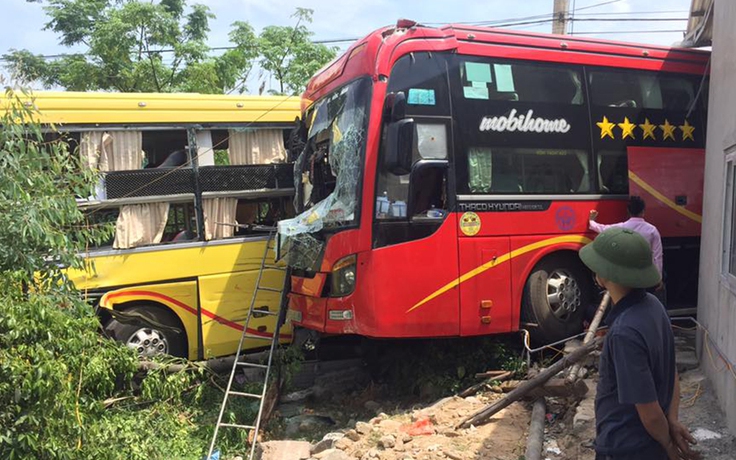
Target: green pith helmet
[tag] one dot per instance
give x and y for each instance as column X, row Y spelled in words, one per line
column 622, row 256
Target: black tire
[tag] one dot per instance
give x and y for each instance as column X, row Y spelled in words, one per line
column 170, row 339
column 556, row 318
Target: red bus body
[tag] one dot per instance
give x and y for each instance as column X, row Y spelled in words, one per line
column 468, row 277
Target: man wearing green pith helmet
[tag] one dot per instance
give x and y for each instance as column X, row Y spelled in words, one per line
column 637, row 400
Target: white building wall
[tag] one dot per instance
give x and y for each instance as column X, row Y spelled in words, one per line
column 717, row 297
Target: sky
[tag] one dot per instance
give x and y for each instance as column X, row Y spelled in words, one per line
column 350, row 19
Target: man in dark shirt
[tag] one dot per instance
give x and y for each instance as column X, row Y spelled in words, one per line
column 638, row 394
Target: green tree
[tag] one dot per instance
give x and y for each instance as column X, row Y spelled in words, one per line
column 136, row 45
column 289, row 54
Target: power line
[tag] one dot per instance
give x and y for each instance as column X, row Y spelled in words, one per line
column 630, row 19
column 634, row 13
column 171, row 50
column 499, row 23
column 596, row 5
column 545, row 21
column 590, row 32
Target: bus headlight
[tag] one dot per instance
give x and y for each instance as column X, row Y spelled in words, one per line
column 343, row 276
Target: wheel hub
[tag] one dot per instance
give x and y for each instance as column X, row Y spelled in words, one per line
column 563, row 293
column 148, row 342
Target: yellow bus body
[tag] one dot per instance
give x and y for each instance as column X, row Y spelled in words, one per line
column 159, row 108
column 208, row 286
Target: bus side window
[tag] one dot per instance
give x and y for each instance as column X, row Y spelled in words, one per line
column 641, row 89
column 180, row 225
column 613, row 174
column 165, row 148
column 514, row 171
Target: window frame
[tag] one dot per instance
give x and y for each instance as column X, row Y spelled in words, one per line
column 577, row 113
column 728, row 278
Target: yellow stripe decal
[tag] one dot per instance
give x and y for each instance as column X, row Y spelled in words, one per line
column 663, row 199
column 499, row 260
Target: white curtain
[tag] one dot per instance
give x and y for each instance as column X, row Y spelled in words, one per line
column 90, row 147
column 219, row 217
column 137, row 224
column 112, row 151
column 257, row 146
column 140, row 224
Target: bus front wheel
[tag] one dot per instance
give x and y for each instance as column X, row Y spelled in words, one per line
column 555, row 298
column 149, row 330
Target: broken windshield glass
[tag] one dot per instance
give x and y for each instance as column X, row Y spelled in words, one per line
column 328, row 172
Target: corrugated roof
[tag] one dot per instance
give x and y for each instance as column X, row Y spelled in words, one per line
column 699, row 24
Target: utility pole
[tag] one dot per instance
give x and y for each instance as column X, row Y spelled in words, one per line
column 559, row 24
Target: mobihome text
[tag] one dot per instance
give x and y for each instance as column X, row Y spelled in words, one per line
column 524, row 123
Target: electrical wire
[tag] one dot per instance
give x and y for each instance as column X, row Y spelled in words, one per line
column 610, row 32
column 708, row 343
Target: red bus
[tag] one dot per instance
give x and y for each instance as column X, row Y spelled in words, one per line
column 448, row 174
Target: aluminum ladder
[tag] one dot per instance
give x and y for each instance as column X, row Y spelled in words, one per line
column 238, row 364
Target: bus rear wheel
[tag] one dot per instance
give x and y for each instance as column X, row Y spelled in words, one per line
column 157, row 332
column 555, row 298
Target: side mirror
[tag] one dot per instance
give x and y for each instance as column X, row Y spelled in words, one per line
column 400, row 142
column 394, row 107
column 426, row 188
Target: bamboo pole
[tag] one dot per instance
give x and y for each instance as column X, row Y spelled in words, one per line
column 574, row 372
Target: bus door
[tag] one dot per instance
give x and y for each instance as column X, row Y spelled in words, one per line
column 414, row 257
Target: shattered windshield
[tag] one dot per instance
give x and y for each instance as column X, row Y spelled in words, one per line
column 328, row 170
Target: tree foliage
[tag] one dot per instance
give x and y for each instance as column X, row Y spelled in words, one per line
column 137, row 46
column 290, row 55
column 161, row 46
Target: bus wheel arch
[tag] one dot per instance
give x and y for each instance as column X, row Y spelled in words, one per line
column 557, row 291
column 149, row 328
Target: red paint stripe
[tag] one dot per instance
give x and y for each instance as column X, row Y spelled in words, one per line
column 183, row 306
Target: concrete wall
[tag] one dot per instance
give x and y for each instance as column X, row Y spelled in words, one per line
column 717, row 299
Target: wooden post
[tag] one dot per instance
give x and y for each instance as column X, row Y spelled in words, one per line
column 524, row 389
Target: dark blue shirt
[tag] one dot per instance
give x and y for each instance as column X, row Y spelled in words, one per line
column 637, row 366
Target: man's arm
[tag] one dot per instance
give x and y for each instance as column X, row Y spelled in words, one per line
column 595, row 226
column 679, row 433
column 674, row 410
column 656, row 424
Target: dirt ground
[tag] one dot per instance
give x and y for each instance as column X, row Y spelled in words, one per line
column 428, row 433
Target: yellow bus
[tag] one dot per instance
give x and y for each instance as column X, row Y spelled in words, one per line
column 190, row 182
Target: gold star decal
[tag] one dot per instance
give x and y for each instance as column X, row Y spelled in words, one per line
column 668, row 130
column 606, row 128
column 627, row 128
column 687, row 131
column 648, row 129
